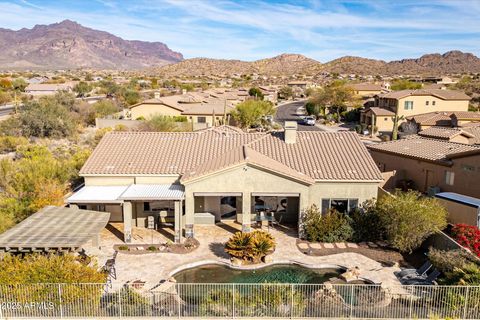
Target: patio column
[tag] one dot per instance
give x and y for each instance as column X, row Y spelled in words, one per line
column 178, row 221
column 127, row 221
column 246, row 212
column 189, row 215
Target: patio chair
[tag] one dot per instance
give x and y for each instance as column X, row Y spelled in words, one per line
column 428, row 280
column 415, row 272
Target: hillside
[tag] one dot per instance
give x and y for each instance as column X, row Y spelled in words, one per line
column 288, row 64
column 282, row 65
column 68, row 45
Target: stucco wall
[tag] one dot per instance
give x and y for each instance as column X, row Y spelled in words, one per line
column 419, row 105
column 343, row 190
column 465, row 181
column 149, row 110
column 460, row 213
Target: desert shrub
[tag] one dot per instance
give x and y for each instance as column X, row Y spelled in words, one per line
column 10, row 143
column 467, row 275
column 448, row 260
column 251, row 112
column 180, row 118
column 131, row 303
column 47, row 269
column 468, row 236
column 366, row 223
column 159, row 123
column 409, row 218
column 38, row 177
column 250, row 245
column 330, row 227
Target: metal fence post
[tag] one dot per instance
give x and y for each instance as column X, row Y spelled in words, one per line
column 351, row 301
column 120, row 303
column 412, row 294
column 233, row 300
column 467, row 292
column 60, row 299
column 291, row 301
column 178, row 300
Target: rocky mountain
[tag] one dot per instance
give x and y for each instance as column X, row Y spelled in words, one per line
column 282, row 65
column 288, row 64
column 68, row 45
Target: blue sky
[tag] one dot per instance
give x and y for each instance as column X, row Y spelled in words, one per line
column 249, row 30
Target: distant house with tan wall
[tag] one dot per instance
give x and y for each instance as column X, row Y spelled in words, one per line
column 367, row 89
column 198, row 108
column 408, row 103
column 45, row 89
column 432, row 163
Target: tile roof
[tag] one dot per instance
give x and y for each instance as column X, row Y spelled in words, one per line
column 381, row 111
column 421, row 148
column 316, row 155
column 433, row 118
column 366, row 87
column 466, row 115
column 439, row 93
column 444, row 133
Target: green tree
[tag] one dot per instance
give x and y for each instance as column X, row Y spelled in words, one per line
column 256, row 92
column 19, row 84
column 285, row 92
column 88, row 77
column 336, row 97
column 403, row 84
column 128, row 97
column 104, row 108
column 109, row 87
column 409, row 218
column 82, row 88
column 47, row 269
column 251, row 112
column 47, row 117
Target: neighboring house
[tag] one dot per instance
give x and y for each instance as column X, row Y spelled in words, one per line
column 367, row 89
column 41, row 89
column 468, row 135
column 196, row 107
column 431, row 164
column 222, row 173
column 409, row 103
column 445, row 119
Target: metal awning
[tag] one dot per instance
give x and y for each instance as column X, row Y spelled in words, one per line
column 275, row 194
column 98, row 194
column 154, row 192
column 54, row 228
column 217, row 194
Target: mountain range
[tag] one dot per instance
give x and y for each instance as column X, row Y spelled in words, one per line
column 452, row 62
column 69, row 45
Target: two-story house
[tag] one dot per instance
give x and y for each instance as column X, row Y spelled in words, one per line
column 408, row 103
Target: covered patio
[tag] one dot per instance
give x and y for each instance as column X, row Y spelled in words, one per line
column 144, row 205
column 54, row 229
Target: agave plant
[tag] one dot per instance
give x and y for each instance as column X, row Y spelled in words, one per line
column 239, row 245
column 262, row 245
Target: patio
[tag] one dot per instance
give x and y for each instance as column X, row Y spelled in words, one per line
column 155, row 267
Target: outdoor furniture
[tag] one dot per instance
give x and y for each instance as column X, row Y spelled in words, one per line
column 415, row 272
column 263, row 219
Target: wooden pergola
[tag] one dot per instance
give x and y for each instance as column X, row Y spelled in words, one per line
column 54, row 229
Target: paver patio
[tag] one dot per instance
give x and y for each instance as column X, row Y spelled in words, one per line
column 155, row 267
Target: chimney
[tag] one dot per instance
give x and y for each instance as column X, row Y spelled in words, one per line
column 290, row 134
column 156, row 95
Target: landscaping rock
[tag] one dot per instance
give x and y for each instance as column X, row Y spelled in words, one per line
column 352, row 245
column 315, row 245
column 303, row 245
column 237, row 262
column 350, row 274
column 340, row 245
column 328, row 245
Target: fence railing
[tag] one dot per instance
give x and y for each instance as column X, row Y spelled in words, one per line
column 241, row 300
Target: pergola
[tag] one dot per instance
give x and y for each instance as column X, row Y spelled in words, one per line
column 54, row 229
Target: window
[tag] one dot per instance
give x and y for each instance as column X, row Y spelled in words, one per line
column 433, row 103
column 408, row 105
column 341, row 205
column 202, row 119
column 426, row 102
column 468, row 168
column 385, row 119
column 449, row 177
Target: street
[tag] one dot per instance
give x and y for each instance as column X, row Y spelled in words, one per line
column 290, row 112
column 6, row 110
